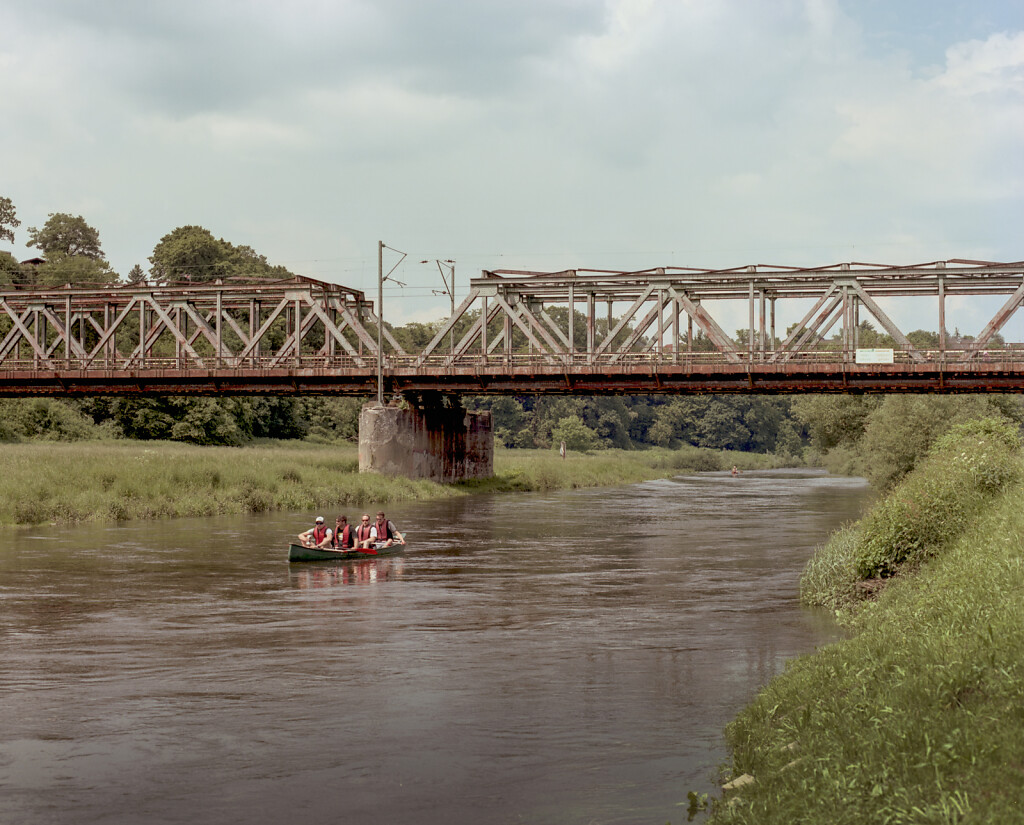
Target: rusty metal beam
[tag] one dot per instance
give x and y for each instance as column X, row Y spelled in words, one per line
column 220, row 331
column 997, row 322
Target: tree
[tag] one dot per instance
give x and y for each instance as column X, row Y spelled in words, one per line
column 10, row 269
column 72, row 250
column 73, row 269
column 576, row 435
column 64, row 235
column 190, row 253
column 8, row 220
column 136, row 275
column 900, row 431
column 834, row 420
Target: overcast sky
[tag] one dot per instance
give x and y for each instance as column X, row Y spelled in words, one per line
column 539, row 134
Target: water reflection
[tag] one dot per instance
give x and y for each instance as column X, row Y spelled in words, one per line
column 568, row 657
column 309, row 575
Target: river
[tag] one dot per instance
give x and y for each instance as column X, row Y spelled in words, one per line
column 566, row 658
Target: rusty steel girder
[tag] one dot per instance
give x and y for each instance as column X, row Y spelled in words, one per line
column 516, row 332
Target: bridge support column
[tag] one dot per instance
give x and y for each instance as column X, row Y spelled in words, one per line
column 426, row 440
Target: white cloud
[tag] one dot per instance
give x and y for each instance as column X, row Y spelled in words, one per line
column 995, row 65
column 538, row 134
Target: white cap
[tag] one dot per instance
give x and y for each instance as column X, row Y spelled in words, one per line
column 319, row 518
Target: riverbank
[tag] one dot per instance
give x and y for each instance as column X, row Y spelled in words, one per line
column 918, row 716
column 66, row 483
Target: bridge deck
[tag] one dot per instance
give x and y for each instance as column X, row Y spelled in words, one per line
column 998, row 372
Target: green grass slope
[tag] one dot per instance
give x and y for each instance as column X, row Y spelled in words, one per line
column 918, row 717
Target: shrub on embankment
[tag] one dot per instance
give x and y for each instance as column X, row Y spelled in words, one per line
column 963, row 472
column 918, row 717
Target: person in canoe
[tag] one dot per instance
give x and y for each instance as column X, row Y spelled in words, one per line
column 344, row 536
column 319, row 535
column 384, row 531
column 364, row 532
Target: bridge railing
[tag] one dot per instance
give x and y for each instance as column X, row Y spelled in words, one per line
column 518, row 362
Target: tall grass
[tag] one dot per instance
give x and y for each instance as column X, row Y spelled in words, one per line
column 919, row 717
column 928, row 510
column 117, row 481
column 121, row 480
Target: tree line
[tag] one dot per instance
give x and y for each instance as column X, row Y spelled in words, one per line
column 71, row 253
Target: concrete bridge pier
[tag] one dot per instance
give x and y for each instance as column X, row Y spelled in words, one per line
column 427, row 437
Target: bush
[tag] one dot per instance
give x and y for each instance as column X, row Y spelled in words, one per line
column 576, row 435
column 928, row 510
column 934, row 506
column 45, row 419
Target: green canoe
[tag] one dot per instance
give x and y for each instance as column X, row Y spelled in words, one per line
column 296, row 552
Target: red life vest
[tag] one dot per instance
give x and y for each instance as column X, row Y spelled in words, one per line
column 319, row 532
column 384, row 530
column 343, row 539
column 363, row 532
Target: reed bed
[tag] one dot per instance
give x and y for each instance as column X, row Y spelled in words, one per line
column 123, row 480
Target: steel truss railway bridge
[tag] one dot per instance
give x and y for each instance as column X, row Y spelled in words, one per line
column 571, row 332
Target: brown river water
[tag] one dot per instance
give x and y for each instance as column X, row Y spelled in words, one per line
column 569, row 657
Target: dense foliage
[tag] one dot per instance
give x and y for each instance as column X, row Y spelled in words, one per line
column 8, row 219
column 884, row 437
column 192, row 253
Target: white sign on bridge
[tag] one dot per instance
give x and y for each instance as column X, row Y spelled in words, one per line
column 875, row 356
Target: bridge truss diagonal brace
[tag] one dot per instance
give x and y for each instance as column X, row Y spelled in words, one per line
column 107, row 335
column 625, row 319
column 63, row 334
column 477, row 331
column 810, row 325
column 18, row 331
column 291, row 347
column 640, row 330
column 243, row 336
column 257, row 337
column 448, row 327
column 557, row 330
column 208, row 332
column 884, row 320
column 351, row 322
column 179, row 336
column 517, row 319
column 472, row 334
column 147, row 337
column 335, row 332
column 387, row 336
column 800, row 327
column 992, row 327
column 718, row 336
